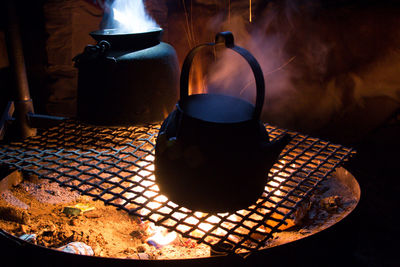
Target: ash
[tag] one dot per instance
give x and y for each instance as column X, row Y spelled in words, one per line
column 332, row 202
column 36, row 208
column 8, row 197
column 51, row 193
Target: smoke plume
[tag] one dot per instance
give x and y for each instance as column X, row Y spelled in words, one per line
column 319, row 61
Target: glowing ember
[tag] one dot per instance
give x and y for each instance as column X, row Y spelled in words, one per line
column 130, row 17
column 202, row 222
column 161, row 236
column 116, row 166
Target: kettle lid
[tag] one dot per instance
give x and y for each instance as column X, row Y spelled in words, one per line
column 217, row 108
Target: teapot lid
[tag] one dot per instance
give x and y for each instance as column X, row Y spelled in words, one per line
column 128, row 41
column 217, row 108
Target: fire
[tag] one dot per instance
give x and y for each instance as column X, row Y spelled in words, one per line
column 130, row 17
column 204, row 222
column 197, row 82
column 161, row 236
column 278, row 179
column 250, row 16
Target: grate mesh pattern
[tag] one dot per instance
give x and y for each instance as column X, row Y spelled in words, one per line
column 115, row 165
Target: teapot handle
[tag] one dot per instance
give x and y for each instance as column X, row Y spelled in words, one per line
column 227, row 39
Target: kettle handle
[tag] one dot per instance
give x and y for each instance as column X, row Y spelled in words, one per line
column 227, row 39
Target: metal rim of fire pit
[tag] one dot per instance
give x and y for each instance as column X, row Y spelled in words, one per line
column 115, row 165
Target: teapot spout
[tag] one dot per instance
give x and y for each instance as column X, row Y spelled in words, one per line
column 271, row 150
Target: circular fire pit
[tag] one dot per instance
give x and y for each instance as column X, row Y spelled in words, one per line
column 115, row 166
column 337, row 198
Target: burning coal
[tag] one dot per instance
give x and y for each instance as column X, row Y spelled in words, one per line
column 129, row 16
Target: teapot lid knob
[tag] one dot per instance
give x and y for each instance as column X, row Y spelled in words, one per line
column 225, row 37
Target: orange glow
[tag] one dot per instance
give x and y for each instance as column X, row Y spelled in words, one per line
column 165, row 112
column 277, row 180
column 250, row 16
column 197, row 81
column 161, row 236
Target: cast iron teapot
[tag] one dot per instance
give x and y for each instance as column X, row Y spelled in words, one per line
column 213, row 154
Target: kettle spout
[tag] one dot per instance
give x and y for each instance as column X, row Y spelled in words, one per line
column 271, row 150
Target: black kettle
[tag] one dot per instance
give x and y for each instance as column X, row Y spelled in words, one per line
column 116, row 78
column 212, row 153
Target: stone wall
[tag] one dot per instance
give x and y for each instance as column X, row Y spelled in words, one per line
column 330, row 66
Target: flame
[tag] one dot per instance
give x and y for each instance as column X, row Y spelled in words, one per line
column 160, row 236
column 205, row 226
column 278, row 179
column 130, row 17
column 206, row 223
column 197, row 82
column 250, row 16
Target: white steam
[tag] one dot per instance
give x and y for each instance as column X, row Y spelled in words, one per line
column 314, row 68
column 130, row 16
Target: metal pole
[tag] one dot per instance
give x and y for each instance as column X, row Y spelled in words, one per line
column 23, row 101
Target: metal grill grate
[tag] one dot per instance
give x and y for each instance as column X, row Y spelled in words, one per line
column 116, row 165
